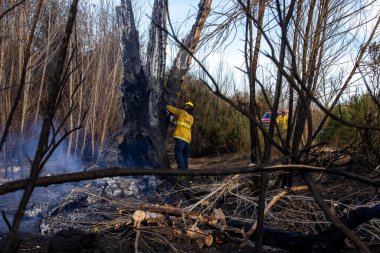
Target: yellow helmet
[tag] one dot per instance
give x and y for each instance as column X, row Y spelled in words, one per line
column 189, row 104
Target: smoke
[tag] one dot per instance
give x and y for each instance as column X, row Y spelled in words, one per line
column 20, row 152
column 47, row 199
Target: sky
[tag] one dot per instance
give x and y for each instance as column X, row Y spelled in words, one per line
column 181, row 12
column 182, row 17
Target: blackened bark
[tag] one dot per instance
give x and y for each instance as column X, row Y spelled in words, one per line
column 328, row 241
column 156, row 58
column 143, row 145
column 144, row 92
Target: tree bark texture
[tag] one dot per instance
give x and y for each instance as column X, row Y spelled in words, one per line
column 143, row 146
column 144, row 93
column 182, row 61
column 252, row 64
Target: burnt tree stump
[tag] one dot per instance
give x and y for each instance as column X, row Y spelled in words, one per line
column 144, row 92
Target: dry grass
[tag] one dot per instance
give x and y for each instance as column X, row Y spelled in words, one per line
column 287, row 210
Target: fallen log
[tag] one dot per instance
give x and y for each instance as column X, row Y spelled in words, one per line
column 176, row 211
column 201, row 237
column 352, row 220
column 120, row 171
column 149, row 217
column 329, row 240
column 193, row 232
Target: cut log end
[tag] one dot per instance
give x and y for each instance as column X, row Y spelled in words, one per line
column 209, row 240
column 138, row 217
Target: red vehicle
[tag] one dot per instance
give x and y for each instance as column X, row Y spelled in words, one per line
column 266, row 117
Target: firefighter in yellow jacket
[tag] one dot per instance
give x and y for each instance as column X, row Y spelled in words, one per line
column 182, row 133
column 282, row 121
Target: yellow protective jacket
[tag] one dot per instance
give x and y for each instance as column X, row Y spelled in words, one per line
column 282, row 121
column 184, row 123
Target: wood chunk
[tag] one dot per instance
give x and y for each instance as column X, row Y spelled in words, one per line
column 149, row 217
column 138, row 217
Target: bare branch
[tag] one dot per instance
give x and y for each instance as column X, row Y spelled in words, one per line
column 329, row 214
column 120, row 171
column 49, row 110
column 23, row 75
column 11, row 8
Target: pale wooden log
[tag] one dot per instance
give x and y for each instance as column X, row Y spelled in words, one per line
column 200, row 237
column 149, row 217
column 176, row 211
column 217, row 217
column 215, row 221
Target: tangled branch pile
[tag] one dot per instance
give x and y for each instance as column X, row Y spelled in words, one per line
column 220, row 212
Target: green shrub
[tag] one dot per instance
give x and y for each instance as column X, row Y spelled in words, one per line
column 218, row 128
column 361, row 110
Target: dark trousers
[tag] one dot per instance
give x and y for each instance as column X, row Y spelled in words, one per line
column 182, row 151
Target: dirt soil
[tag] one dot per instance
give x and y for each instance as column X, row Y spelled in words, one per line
column 40, row 244
column 333, row 188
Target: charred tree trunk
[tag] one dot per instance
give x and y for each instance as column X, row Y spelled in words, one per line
column 143, row 144
column 145, row 94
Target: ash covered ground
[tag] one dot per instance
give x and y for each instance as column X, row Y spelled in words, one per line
column 97, row 216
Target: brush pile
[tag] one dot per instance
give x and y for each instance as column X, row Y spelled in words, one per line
column 218, row 213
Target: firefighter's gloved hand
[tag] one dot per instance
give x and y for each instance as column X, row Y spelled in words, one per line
column 173, row 120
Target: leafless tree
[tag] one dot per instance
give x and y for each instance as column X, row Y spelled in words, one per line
column 45, row 146
column 300, row 65
column 24, row 66
column 309, row 37
column 145, row 94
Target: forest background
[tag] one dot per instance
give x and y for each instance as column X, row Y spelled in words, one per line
column 96, row 66
column 318, row 59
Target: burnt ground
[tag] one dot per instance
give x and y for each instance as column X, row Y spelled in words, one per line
column 341, row 193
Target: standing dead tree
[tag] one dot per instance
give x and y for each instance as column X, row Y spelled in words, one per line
column 24, row 67
column 303, row 75
column 302, row 70
column 251, row 55
column 46, row 145
column 145, row 93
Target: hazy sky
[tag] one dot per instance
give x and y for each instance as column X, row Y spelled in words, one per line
column 232, row 56
column 182, row 16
